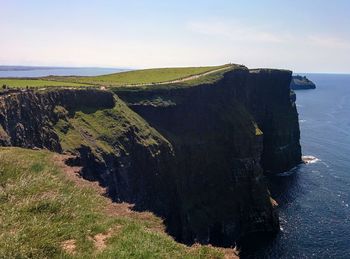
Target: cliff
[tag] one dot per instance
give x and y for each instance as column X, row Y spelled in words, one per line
column 301, row 83
column 273, row 107
column 263, row 94
column 193, row 155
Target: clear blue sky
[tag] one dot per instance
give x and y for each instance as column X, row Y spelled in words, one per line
column 301, row 35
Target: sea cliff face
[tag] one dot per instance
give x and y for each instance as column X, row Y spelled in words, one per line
column 273, row 107
column 194, row 156
column 264, row 94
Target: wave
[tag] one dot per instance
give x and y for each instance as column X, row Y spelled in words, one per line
column 310, row 159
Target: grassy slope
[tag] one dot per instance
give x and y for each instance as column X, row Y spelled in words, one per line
column 40, row 209
column 39, row 83
column 99, row 129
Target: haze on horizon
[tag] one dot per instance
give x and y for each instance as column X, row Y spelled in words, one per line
column 303, row 36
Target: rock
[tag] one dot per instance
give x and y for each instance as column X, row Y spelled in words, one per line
column 301, row 83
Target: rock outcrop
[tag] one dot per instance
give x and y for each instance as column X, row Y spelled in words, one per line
column 193, row 155
column 301, row 83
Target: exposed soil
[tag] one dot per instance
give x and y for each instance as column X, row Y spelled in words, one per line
column 69, row 246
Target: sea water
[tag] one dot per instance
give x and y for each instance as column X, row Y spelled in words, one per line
column 55, row 71
column 314, row 199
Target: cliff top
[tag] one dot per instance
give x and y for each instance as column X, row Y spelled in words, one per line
column 269, row 70
column 146, row 77
column 155, row 78
column 138, row 78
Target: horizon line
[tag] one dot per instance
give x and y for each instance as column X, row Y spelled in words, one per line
column 139, row 68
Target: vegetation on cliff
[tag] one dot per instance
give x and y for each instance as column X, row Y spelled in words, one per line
column 101, row 129
column 34, row 83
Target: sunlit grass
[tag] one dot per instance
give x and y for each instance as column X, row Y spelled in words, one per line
column 40, row 210
column 37, row 83
column 139, row 77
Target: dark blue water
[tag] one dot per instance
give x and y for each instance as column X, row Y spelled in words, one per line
column 56, row 71
column 314, row 200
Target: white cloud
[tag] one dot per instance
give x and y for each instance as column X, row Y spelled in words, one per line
column 326, row 41
column 236, row 32
column 239, row 32
column 261, row 45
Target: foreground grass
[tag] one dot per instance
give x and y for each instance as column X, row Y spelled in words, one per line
column 37, row 83
column 139, row 77
column 40, row 209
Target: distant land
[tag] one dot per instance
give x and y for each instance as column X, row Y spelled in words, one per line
column 28, row 68
column 39, row 71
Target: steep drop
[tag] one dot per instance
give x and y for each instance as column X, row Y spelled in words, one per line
column 194, row 156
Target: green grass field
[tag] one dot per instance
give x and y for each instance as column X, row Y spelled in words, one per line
column 147, row 78
column 141, row 77
column 37, row 83
column 45, row 214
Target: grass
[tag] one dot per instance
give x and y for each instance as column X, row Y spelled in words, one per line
column 147, row 78
column 141, row 77
column 103, row 130
column 41, row 209
column 37, row 83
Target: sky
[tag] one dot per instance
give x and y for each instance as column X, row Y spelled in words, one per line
column 300, row 35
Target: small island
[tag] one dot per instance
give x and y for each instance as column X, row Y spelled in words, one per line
column 301, row 83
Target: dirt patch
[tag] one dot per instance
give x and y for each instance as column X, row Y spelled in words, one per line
column 73, row 174
column 230, row 253
column 69, row 246
column 100, row 239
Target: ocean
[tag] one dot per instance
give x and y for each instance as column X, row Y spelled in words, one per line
column 24, row 71
column 314, row 198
